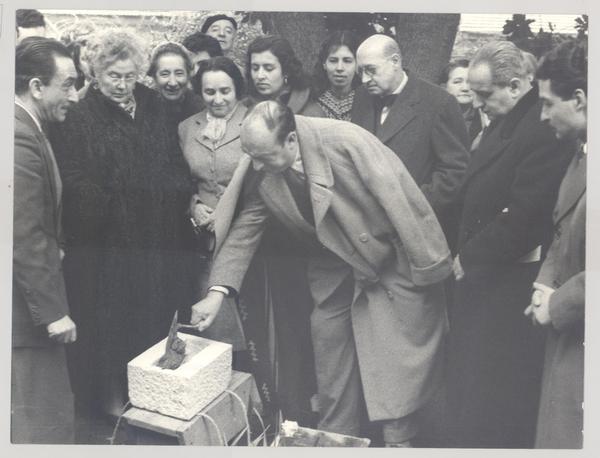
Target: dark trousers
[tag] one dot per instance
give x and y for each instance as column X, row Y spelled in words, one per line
column 42, row 407
column 494, row 360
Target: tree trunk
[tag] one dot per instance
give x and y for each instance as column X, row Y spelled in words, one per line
column 305, row 32
column 426, row 41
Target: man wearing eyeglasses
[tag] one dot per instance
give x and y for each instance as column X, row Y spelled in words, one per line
column 419, row 121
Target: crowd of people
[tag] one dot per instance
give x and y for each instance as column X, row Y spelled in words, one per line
column 387, row 256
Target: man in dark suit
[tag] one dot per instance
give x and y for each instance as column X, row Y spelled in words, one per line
column 376, row 260
column 419, row 121
column 558, row 301
column 495, row 357
column 41, row 397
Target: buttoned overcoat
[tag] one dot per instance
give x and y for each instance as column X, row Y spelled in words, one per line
column 495, row 355
column 369, row 212
column 560, row 421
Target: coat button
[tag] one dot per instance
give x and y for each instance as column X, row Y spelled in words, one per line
column 390, row 295
column 363, row 237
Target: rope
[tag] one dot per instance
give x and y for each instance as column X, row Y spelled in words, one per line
column 116, row 428
column 245, row 410
column 262, row 424
column 219, row 432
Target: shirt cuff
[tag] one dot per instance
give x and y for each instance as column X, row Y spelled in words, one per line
column 222, row 289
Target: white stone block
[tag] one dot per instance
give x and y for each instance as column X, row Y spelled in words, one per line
column 204, row 374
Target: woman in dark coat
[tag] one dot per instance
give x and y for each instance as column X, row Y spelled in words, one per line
column 171, row 69
column 273, row 72
column 126, row 192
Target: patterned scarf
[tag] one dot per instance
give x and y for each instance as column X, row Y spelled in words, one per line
column 336, row 108
column 216, row 127
column 129, row 106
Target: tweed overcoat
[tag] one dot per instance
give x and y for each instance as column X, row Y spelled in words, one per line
column 369, row 212
column 560, row 421
column 42, row 401
column 495, row 355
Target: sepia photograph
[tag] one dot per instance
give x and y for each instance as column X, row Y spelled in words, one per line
column 307, row 228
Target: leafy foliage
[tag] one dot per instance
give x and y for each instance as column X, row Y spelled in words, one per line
column 582, row 25
column 518, row 30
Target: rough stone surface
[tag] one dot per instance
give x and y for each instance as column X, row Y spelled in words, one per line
column 182, row 393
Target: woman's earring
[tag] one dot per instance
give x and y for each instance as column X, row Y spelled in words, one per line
column 285, row 80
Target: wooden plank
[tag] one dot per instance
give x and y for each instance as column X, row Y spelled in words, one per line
column 306, row 437
column 225, row 410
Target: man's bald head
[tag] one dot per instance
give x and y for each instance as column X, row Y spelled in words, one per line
column 384, row 45
column 269, row 136
column 380, row 64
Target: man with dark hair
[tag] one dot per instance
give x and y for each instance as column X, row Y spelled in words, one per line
column 201, row 47
column 376, row 260
column 30, row 23
column 41, row 397
column 419, row 121
column 558, row 300
column 494, row 356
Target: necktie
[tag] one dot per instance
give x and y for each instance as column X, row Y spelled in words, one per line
column 297, row 183
column 385, row 101
column 380, row 103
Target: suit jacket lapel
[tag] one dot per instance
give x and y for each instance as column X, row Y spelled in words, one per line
column 363, row 109
column 490, row 147
column 401, row 112
column 317, row 169
column 48, row 159
column 278, row 197
column 201, row 122
column 572, row 188
column 502, row 133
column 232, row 132
column 320, row 176
column 225, row 210
column 234, row 125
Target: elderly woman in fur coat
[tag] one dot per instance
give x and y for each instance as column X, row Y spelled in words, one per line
column 126, row 191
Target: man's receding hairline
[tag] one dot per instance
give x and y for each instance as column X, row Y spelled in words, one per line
column 381, row 44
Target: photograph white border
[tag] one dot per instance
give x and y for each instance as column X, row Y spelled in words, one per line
column 592, row 395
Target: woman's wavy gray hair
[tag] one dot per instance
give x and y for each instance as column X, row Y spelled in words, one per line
column 109, row 46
